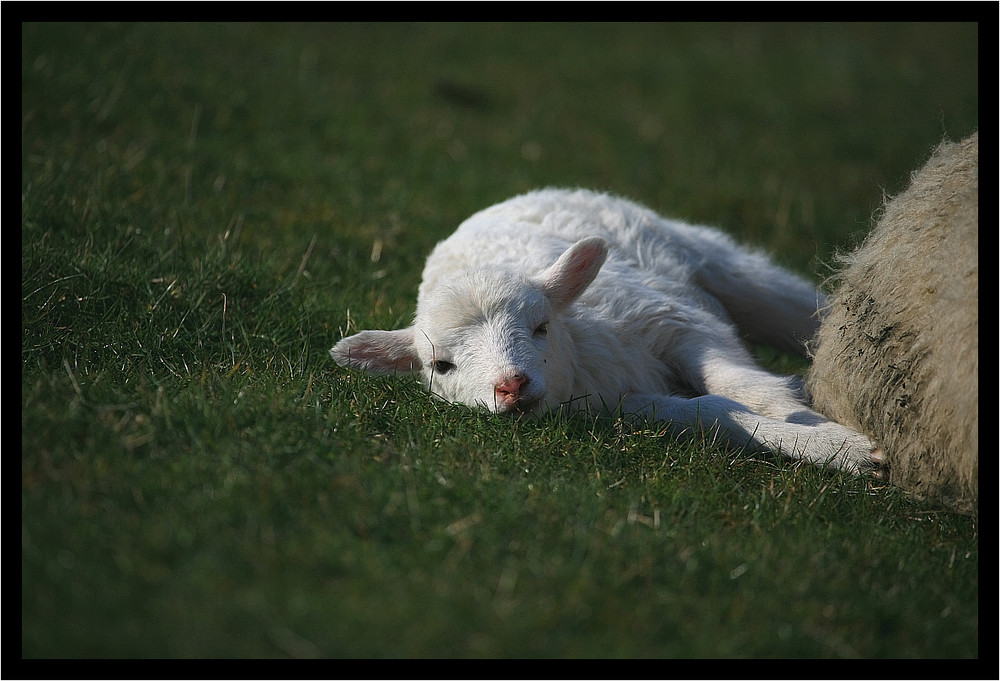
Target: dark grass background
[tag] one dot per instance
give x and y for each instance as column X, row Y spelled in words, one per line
column 207, row 208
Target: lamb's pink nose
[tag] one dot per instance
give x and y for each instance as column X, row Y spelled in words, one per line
column 508, row 390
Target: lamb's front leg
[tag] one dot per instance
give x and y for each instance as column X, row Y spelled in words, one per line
column 825, row 444
column 713, row 368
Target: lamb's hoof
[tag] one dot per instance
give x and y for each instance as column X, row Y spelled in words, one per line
column 877, row 467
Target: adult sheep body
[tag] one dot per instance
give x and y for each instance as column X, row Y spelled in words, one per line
column 897, row 356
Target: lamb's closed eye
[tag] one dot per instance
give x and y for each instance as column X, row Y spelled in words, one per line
column 541, row 330
column 443, row 367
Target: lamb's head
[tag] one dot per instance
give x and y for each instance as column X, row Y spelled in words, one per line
column 489, row 337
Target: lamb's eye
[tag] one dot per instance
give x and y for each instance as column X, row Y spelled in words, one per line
column 443, row 367
column 541, row 329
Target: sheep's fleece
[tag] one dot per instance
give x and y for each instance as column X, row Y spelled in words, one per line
column 571, row 299
column 898, row 354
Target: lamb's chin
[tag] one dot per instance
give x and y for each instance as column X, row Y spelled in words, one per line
column 519, row 409
column 526, row 408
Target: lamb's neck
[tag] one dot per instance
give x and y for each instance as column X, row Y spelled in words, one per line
column 610, row 362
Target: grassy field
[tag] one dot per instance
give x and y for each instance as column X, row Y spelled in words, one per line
column 206, row 209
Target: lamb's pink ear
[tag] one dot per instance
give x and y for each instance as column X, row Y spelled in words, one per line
column 567, row 278
column 378, row 352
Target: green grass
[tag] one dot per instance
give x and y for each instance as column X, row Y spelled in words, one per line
column 206, row 209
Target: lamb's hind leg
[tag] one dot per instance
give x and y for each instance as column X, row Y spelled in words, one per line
column 825, row 444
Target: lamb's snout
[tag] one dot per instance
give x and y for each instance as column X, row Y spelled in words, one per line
column 507, row 390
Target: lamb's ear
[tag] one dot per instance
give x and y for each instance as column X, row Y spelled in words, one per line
column 378, row 352
column 567, row 278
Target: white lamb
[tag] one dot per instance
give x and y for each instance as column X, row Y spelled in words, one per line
column 570, row 299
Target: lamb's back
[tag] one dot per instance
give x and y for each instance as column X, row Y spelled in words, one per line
column 529, row 232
